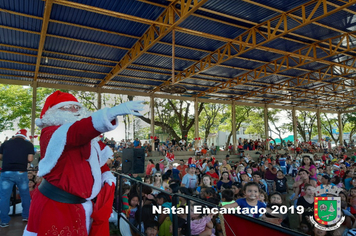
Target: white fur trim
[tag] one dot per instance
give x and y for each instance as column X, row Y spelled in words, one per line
column 108, row 177
column 59, row 105
column 95, row 168
column 39, row 123
column 88, row 208
column 28, row 233
column 54, row 150
column 21, row 135
column 105, row 154
column 101, row 121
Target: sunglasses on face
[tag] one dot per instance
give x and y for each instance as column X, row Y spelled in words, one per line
column 67, row 107
column 157, row 176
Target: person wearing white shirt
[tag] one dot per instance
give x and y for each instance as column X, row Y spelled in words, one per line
column 213, row 149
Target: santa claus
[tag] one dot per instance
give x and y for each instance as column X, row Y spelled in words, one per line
column 73, row 165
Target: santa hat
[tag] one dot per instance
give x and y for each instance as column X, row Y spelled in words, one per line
column 337, row 165
column 56, row 100
column 22, row 133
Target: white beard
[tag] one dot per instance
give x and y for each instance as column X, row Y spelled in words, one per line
column 55, row 117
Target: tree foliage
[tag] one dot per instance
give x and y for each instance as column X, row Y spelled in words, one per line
column 210, row 118
column 16, row 102
column 175, row 118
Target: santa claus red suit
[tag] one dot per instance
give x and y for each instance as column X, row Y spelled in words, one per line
column 73, row 165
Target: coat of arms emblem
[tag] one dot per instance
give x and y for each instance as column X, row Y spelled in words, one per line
column 327, row 210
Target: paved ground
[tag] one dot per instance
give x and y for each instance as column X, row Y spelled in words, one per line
column 16, row 227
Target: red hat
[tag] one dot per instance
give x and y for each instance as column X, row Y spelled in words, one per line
column 22, row 133
column 57, row 100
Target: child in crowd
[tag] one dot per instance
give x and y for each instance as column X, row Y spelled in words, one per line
column 252, row 193
column 151, row 228
column 257, row 178
column 125, row 200
column 201, row 225
column 227, row 197
column 244, row 178
column 31, row 186
column 130, row 214
column 263, row 197
column 236, row 188
column 281, row 185
column 164, row 220
column 352, row 201
column 275, row 198
column 295, row 167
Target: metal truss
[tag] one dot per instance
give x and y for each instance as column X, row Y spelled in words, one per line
column 339, row 70
column 155, row 33
column 45, row 21
column 248, row 40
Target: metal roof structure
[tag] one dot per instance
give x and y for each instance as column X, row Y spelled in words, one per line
column 281, row 53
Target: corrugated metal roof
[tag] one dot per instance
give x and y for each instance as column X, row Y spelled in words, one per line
column 179, row 52
column 33, row 7
column 194, row 41
column 17, row 38
column 17, row 57
column 21, row 22
column 63, row 71
column 16, row 66
column 82, row 47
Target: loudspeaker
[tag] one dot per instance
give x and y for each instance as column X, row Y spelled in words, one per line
column 133, row 161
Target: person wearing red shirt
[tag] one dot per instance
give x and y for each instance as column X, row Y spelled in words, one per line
column 213, row 175
column 149, row 167
column 182, row 168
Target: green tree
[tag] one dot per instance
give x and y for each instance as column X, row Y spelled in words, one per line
column 174, row 117
column 330, row 122
column 256, row 122
column 306, row 124
column 242, row 114
column 210, row 118
column 16, row 102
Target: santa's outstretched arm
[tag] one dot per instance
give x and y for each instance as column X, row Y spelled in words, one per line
column 104, row 120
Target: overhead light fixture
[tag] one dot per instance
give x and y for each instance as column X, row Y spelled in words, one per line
column 173, row 89
column 46, row 61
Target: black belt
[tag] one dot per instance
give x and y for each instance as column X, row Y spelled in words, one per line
column 59, row 195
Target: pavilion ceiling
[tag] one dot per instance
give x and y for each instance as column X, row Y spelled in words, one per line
column 280, row 53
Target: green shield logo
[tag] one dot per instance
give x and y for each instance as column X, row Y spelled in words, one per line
column 327, row 210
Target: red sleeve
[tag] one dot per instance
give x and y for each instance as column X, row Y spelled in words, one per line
column 81, row 132
column 105, row 168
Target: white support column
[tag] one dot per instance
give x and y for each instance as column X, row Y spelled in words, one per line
column 266, row 126
column 294, row 120
column 152, row 113
column 196, row 124
column 319, row 125
column 341, row 129
column 233, row 118
column 99, row 99
column 33, row 110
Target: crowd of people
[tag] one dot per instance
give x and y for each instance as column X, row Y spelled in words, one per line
column 287, row 177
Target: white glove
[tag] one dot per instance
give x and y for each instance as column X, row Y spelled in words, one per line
column 127, row 108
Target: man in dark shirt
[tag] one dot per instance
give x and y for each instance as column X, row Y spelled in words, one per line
column 15, row 155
